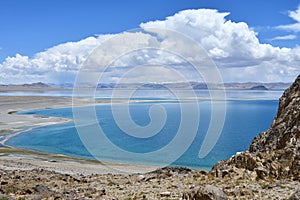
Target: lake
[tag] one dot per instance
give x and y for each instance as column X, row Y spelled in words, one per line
column 244, row 120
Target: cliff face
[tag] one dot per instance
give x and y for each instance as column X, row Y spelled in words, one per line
column 273, row 154
column 285, row 129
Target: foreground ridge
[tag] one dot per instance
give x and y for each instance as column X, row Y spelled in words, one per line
column 273, row 154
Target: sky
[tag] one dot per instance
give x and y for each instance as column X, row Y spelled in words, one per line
column 49, row 40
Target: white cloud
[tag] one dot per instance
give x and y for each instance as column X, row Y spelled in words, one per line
column 224, row 40
column 285, row 37
column 233, row 46
column 61, row 61
column 295, row 15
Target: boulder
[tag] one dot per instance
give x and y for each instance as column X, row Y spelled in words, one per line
column 208, row 192
column 295, row 196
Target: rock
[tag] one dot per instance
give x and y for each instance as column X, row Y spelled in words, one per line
column 208, row 192
column 165, row 194
column 149, row 178
column 172, row 170
column 246, row 192
column 295, row 196
column 28, row 191
column 33, row 197
column 43, row 190
column 261, row 172
column 245, row 161
column 285, row 130
column 140, row 177
column 4, row 182
column 273, row 154
column 6, row 197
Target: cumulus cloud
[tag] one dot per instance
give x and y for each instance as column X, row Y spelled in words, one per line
column 295, row 15
column 61, row 61
column 233, row 46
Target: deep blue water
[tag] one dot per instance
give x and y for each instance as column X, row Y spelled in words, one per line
column 244, row 120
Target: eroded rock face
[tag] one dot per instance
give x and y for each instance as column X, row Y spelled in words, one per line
column 285, row 129
column 274, row 154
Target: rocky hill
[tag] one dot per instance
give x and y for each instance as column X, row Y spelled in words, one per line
column 28, row 87
column 274, row 154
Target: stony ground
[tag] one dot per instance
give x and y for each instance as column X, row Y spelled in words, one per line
column 168, row 183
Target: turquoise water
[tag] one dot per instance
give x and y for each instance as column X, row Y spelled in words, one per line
column 244, row 120
column 161, row 94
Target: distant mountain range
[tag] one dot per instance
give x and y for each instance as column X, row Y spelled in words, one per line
column 201, row 86
column 38, row 84
column 38, row 87
column 156, row 86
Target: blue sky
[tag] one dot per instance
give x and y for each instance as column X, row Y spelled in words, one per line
column 32, row 26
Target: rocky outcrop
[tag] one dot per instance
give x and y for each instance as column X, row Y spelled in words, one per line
column 274, row 154
column 285, row 129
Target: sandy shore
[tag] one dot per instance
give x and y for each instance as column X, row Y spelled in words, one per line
column 10, row 120
column 11, row 158
column 20, row 159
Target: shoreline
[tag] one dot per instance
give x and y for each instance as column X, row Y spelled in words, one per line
column 31, row 121
column 16, row 124
column 26, row 160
